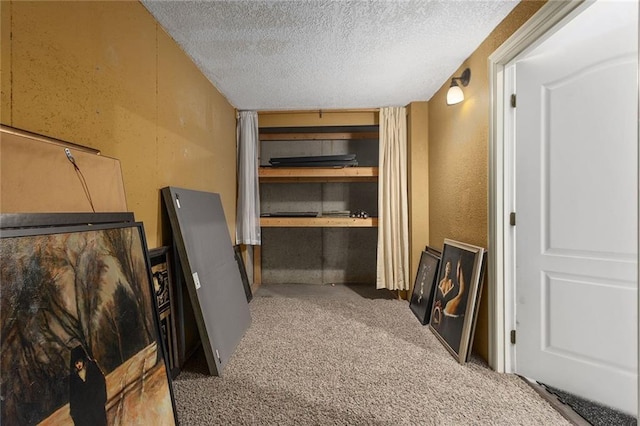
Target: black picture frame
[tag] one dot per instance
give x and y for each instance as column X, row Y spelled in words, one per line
column 162, row 273
column 237, row 250
column 456, row 297
column 424, row 286
column 433, row 251
column 80, row 298
column 36, row 220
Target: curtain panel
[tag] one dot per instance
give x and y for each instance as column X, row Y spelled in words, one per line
column 248, row 203
column 393, row 219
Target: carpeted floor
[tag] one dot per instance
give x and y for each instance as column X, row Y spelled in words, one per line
column 319, row 355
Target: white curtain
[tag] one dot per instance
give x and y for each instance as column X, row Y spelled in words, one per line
column 248, row 208
column 393, row 218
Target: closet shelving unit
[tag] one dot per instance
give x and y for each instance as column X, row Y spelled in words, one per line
column 288, row 137
column 317, row 174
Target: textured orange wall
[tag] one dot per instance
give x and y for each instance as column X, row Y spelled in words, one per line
column 318, row 118
column 5, row 62
column 105, row 75
column 196, row 133
column 418, row 185
column 459, row 156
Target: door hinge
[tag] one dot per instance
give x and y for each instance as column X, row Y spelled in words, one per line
column 513, row 337
column 512, row 218
column 513, row 100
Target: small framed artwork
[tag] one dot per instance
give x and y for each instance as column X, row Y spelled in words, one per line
column 456, row 296
column 237, row 250
column 81, row 341
column 162, row 276
column 422, row 295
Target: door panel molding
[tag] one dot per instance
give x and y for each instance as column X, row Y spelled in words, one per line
column 561, row 322
column 500, row 241
column 557, row 244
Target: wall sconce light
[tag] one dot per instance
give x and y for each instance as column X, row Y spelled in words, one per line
column 455, row 95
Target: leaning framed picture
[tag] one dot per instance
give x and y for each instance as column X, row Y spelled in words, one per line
column 422, row 294
column 162, row 276
column 457, row 293
column 237, row 250
column 80, row 340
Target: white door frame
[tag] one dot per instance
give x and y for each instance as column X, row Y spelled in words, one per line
column 501, row 266
column 501, row 239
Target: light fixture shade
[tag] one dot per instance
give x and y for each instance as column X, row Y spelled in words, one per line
column 454, row 95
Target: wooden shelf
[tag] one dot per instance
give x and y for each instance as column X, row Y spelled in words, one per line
column 317, row 174
column 317, row 136
column 315, row 139
column 318, row 222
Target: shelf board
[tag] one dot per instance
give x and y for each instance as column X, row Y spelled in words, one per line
column 318, row 136
column 317, row 174
column 318, row 222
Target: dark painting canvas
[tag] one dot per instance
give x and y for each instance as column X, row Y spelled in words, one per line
column 162, row 276
column 202, row 239
column 422, row 295
column 80, row 337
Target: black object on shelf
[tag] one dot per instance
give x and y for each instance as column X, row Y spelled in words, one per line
column 342, row 160
column 360, row 214
column 341, row 157
column 290, row 214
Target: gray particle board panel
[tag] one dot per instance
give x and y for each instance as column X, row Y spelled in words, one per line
column 350, row 196
column 292, row 255
column 349, row 255
column 319, row 255
column 211, row 273
column 278, row 197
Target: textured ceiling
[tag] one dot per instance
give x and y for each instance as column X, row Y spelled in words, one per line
column 322, row 54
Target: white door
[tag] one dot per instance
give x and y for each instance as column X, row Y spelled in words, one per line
column 576, row 206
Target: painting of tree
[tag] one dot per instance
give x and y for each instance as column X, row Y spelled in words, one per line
column 60, row 289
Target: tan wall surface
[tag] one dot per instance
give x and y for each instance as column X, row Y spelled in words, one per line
column 418, row 185
column 5, row 62
column 318, row 118
column 459, row 156
column 105, row 75
column 196, row 131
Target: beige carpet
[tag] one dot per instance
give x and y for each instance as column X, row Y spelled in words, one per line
column 323, row 355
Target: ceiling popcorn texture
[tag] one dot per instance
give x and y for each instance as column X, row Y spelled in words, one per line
column 322, row 54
